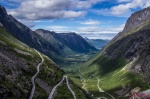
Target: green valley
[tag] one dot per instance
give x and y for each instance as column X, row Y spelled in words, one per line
column 57, row 60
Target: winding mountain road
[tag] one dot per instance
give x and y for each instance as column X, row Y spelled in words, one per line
column 82, row 79
column 70, row 87
column 100, row 89
column 33, row 77
column 54, row 88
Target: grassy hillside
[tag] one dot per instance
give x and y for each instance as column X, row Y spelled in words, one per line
column 113, row 75
column 18, row 64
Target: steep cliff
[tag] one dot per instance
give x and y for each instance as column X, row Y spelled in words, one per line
column 137, row 21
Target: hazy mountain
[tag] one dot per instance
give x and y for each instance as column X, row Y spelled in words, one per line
column 18, row 64
column 66, row 41
column 124, row 63
column 98, row 43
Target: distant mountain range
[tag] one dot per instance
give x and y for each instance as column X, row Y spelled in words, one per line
column 56, row 46
column 98, row 43
column 66, row 41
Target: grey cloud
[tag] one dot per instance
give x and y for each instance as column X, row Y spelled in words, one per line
column 52, row 9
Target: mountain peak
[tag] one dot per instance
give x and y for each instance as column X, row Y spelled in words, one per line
column 3, row 10
column 137, row 19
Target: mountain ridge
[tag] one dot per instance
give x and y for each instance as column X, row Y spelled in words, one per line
column 72, row 41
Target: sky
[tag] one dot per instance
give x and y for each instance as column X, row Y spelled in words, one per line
column 95, row 19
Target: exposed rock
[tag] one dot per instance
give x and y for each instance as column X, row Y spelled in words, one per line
column 137, row 19
column 22, row 52
column 43, row 85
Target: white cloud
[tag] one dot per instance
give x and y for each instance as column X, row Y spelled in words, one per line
column 97, row 30
column 124, row 9
column 88, row 29
column 84, row 4
column 91, row 22
column 92, row 32
column 59, row 29
column 104, row 36
column 52, row 9
column 124, row 1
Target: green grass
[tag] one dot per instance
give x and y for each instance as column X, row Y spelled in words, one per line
column 111, row 74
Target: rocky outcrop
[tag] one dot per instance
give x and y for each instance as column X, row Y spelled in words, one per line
column 137, row 19
column 135, row 45
column 1, row 25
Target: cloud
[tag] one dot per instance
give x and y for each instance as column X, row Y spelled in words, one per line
column 123, row 9
column 91, row 22
column 104, row 36
column 52, row 9
column 97, row 30
column 124, row 1
column 59, row 29
column 85, row 4
column 88, row 29
column 91, row 32
column 30, row 24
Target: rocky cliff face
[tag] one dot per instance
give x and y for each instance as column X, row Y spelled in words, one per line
column 137, row 19
column 135, row 45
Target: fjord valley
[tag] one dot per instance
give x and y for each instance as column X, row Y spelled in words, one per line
column 122, row 65
column 91, row 61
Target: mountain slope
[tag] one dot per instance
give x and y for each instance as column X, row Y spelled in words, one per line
column 123, row 64
column 138, row 20
column 26, row 35
column 67, row 41
column 18, row 64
